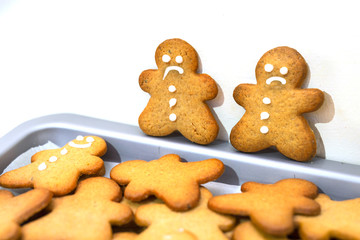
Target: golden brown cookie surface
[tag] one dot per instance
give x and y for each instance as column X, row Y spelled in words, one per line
column 16, row 210
column 87, row 214
column 197, row 223
column 173, row 181
column 178, row 95
column 338, row 219
column 270, row 206
column 59, row 169
column 274, row 106
column 247, row 230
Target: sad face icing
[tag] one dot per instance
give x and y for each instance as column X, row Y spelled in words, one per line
column 58, row 170
column 178, row 95
column 274, row 106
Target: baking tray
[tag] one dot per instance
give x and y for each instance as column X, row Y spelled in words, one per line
column 126, row 142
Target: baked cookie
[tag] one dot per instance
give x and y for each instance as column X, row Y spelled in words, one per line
column 271, row 207
column 87, row 214
column 173, row 181
column 124, row 236
column 338, row 220
column 16, row 210
column 178, row 95
column 197, row 223
column 274, row 107
column 178, row 235
column 247, row 230
column 59, row 169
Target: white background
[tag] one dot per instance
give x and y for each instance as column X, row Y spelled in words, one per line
column 85, row 57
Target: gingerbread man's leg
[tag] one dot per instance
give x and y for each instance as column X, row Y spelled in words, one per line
column 154, row 121
column 298, row 141
column 246, row 136
column 199, row 125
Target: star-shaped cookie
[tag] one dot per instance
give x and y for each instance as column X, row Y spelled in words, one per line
column 58, row 170
column 200, row 221
column 338, row 219
column 16, row 210
column 271, row 206
column 87, row 214
column 173, row 181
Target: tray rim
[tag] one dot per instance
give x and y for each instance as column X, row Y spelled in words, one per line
column 321, row 170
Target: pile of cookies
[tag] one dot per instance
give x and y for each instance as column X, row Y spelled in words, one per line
column 159, row 199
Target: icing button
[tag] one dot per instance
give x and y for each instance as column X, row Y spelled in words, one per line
column 42, row 166
column 264, row 129
column 172, row 117
column 64, row 151
column 172, row 102
column 172, row 88
column 266, row 100
column 52, row 159
column 264, row 115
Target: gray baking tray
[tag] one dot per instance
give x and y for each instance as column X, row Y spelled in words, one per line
column 125, row 142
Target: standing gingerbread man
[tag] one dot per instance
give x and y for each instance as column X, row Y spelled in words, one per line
column 178, row 95
column 274, row 107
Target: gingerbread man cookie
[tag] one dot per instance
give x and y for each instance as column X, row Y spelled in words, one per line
column 271, row 207
column 16, row 210
column 200, row 221
column 59, row 169
column 274, row 107
column 173, row 181
column 338, row 220
column 87, row 214
column 178, row 95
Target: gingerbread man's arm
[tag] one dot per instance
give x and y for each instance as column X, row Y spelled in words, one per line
column 208, row 87
column 243, row 94
column 90, row 165
column 43, row 155
column 309, row 100
column 18, row 178
column 147, row 80
column 147, row 214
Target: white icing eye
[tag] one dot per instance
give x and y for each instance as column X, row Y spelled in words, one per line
column 90, row 139
column 179, row 59
column 52, row 159
column 166, row 58
column 283, row 70
column 79, row 138
column 268, row 67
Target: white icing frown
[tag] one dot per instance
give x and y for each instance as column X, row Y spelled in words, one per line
column 275, row 78
column 170, row 68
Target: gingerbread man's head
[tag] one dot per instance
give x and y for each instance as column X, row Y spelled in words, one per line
column 281, row 67
column 176, row 55
column 93, row 145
